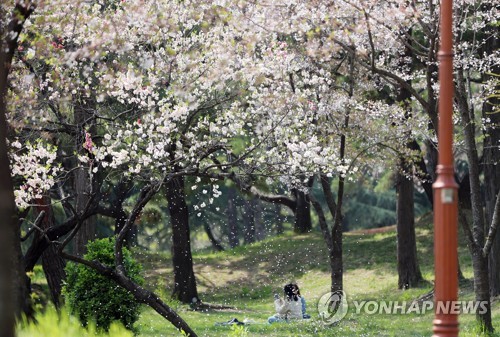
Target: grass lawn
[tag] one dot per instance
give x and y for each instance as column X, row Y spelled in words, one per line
column 247, row 277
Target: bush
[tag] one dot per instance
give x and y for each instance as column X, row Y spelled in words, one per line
column 96, row 298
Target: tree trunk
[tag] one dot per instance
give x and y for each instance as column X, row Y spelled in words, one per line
column 303, row 222
column 279, row 219
column 491, row 162
column 211, row 237
column 479, row 263
column 184, row 280
column 8, row 238
column 7, row 256
column 249, row 221
column 431, row 155
column 260, row 228
column 494, row 255
column 87, row 231
column 336, row 260
column 460, row 275
column 408, row 270
column 53, row 264
column 22, row 283
column 232, row 218
column 82, row 181
column 332, row 239
column 423, row 173
column 482, row 289
column 53, row 267
column 14, row 284
column 335, row 208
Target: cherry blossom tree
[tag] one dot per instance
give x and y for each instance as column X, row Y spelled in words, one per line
column 106, row 96
column 155, row 96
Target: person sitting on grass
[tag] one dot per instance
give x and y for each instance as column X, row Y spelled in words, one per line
column 296, row 291
column 287, row 308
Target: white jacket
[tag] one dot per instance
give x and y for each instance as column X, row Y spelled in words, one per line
column 288, row 309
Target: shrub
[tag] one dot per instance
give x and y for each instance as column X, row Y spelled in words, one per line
column 96, row 298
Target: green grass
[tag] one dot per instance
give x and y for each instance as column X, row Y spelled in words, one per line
column 246, row 277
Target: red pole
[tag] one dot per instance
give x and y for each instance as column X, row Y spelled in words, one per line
column 445, row 191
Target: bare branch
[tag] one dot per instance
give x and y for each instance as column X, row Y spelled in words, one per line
column 370, row 38
column 35, row 225
column 146, row 194
column 79, row 217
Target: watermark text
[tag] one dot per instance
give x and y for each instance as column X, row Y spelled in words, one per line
column 333, row 307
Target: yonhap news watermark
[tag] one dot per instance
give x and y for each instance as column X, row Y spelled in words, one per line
column 333, row 307
column 420, row 308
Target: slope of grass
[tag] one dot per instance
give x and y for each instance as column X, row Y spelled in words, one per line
column 245, row 279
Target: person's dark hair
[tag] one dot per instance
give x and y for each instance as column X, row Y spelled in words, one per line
column 297, row 289
column 289, row 292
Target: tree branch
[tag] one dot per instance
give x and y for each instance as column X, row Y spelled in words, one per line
column 248, row 188
column 141, row 294
column 35, row 225
column 322, row 222
column 146, row 194
column 330, row 199
column 79, row 217
column 273, row 198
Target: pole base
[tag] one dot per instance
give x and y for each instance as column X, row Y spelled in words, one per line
column 445, row 328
